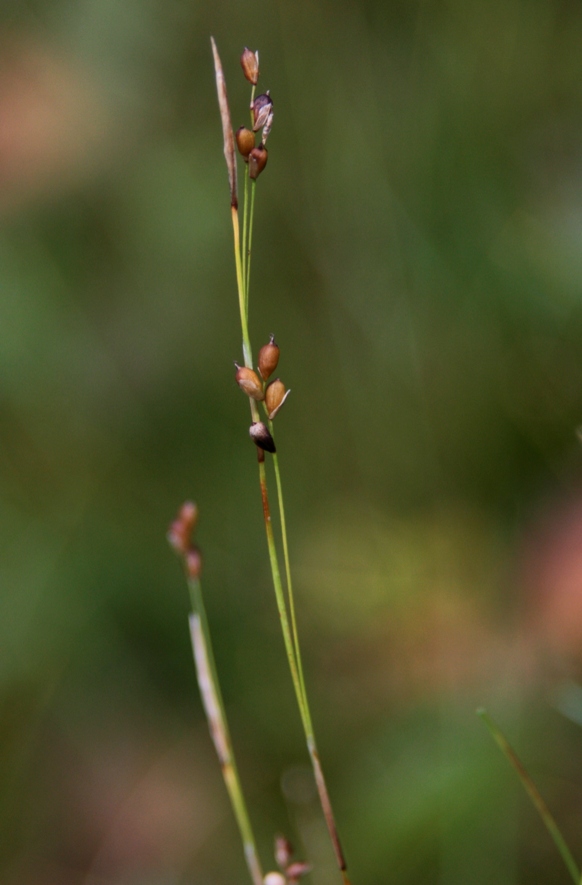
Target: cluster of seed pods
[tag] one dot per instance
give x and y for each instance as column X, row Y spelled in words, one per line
column 291, row 871
column 272, row 394
column 262, row 113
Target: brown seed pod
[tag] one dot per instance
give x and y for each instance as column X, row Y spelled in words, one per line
column 259, row 433
column 283, row 851
column 249, row 382
column 250, row 64
column 245, row 141
column 268, row 358
column 275, row 396
column 257, row 161
column 261, row 107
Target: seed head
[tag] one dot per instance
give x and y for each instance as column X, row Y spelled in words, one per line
column 274, row 879
column 257, row 161
column 261, row 107
column 275, row 396
column 296, row 870
column 268, row 358
column 180, row 530
column 245, row 141
column 193, row 562
column 250, row 64
column 249, row 382
column 283, row 851
column 259, row 433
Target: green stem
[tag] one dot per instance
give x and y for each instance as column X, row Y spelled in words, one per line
column 217, row 721
column 280, row 597
column 285, row 607
column 247, row 227
column 297, row 678
column 534, row 795
column 290, row 595
column 247, row 352
column 250, row 240
column 326, row 808
column 244, row 249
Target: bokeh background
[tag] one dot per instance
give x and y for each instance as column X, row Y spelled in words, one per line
column 418, row 255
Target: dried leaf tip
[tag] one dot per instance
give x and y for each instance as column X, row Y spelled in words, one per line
column 227, row 133
column 250, row 64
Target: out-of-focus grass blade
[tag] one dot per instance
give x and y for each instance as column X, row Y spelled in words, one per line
column 534, row 795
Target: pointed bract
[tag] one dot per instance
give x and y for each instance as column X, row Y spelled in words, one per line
column 267, row 127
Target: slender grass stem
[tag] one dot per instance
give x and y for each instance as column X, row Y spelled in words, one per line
column 291, row 644
column 280, row 596
column 247, row 225
column 326, row 807
column 245, row 247
column 534, row 794
column 242, row 295
column 216, row 715
column 285, row 605
column 290, row 595
column 250, row 239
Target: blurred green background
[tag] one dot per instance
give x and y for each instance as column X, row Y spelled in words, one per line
column 418, row 255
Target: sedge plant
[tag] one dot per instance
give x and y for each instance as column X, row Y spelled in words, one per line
column 269, row 396
column 180, row 538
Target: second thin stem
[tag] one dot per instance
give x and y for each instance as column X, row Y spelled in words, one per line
column 285, row 606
